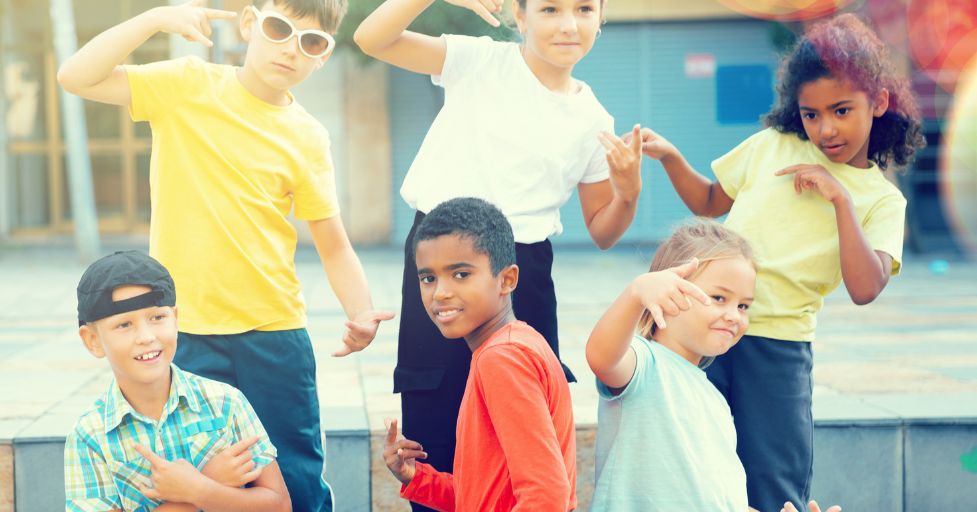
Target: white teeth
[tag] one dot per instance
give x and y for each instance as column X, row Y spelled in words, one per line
column 148, row 356
column 448, row 312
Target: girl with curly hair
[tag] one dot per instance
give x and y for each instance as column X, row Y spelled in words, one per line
column 809, row 195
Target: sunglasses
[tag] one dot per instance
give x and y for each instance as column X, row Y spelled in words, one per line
column 278, row 29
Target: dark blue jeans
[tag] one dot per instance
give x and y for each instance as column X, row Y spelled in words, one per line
column 767, row 383
column 276, row 372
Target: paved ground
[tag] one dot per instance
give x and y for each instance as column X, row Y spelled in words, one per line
column 911, row 353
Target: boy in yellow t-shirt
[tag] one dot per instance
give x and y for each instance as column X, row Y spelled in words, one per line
column 233, row 153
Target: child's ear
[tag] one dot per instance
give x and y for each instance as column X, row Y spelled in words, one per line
column 510, row 279
column 520, row 16
column 881, row 103
column 90, row 338
column 321, row 61
column 246, row 23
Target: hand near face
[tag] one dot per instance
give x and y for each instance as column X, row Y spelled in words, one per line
column 483, row 8
column 191, row 20
column 399, row 454
column 816, row 178
column 667, row 292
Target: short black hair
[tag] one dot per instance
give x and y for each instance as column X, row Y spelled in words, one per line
column 472, row 219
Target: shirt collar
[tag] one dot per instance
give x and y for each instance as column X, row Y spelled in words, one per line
column 117, row 407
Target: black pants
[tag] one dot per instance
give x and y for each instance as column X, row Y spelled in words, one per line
column 432, row 371
column 276, row 372
column 767, row 383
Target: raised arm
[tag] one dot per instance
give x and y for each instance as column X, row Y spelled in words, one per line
column 383, row 34
column 701, row 195
column 95, row 72
column 609, row 206
column 662, row 293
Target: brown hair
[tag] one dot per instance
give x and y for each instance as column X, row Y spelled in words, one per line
column 844, row 48
column 329, row 13
column 701, row 238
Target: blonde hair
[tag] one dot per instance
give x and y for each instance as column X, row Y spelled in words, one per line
column 701, row 238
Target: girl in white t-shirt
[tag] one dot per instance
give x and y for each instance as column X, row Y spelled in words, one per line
column 516, row 130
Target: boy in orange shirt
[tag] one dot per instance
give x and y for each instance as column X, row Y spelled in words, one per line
column 516, row 439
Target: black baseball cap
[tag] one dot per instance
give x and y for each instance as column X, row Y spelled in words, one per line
column 119, row 269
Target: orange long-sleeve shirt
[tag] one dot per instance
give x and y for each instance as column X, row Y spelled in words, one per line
column 516, row 444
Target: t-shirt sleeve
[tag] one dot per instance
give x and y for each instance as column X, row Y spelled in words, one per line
column 430, row 488
column 88, row 482
column 510, row 379
column 244, row 423
column 463, row 54
column 156, row 87
column 733, row 169
column 597, row 168
column 315, row 187
column 884, row 227
column 644, row 362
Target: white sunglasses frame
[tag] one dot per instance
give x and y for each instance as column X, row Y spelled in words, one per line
column 260, row 17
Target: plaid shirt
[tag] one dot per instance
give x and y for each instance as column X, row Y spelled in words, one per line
column 102, row 470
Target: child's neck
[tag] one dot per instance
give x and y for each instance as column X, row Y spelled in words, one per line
column 148, row 400
column 668, row 341
column 254, row 85
column 484, row 332
column 556, row 79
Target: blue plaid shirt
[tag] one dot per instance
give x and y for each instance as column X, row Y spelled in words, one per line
column 102, row 469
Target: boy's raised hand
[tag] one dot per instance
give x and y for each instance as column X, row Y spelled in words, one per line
column 483, row 8
column 667, row 292
column 812, row 506
column 191, row 20
column 399, row 454
column 624, row 160
column 361, row 330
column 177, row 481
column 233, row 466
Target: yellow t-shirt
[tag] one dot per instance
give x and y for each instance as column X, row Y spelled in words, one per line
column 795, row 237
column 226, row 169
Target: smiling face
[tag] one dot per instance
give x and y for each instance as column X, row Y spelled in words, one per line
column 460, row 293
column 558, row 33
column 139, row 344
column 271, row 68
column 837, row 118
column 708, row 331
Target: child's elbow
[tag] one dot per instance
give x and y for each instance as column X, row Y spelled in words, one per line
column 863, row 298
column 362, row 39
column 284, row 504
column 64, row 79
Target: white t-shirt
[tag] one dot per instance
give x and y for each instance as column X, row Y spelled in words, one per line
column 504, row 137
column 667, row 442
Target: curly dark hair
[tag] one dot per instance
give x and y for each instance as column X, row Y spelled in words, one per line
column 476, row 220
column 844, row 48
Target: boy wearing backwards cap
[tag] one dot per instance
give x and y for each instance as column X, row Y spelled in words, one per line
column 161, row 438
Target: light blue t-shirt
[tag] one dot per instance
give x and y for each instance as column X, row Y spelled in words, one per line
column 667, row 442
